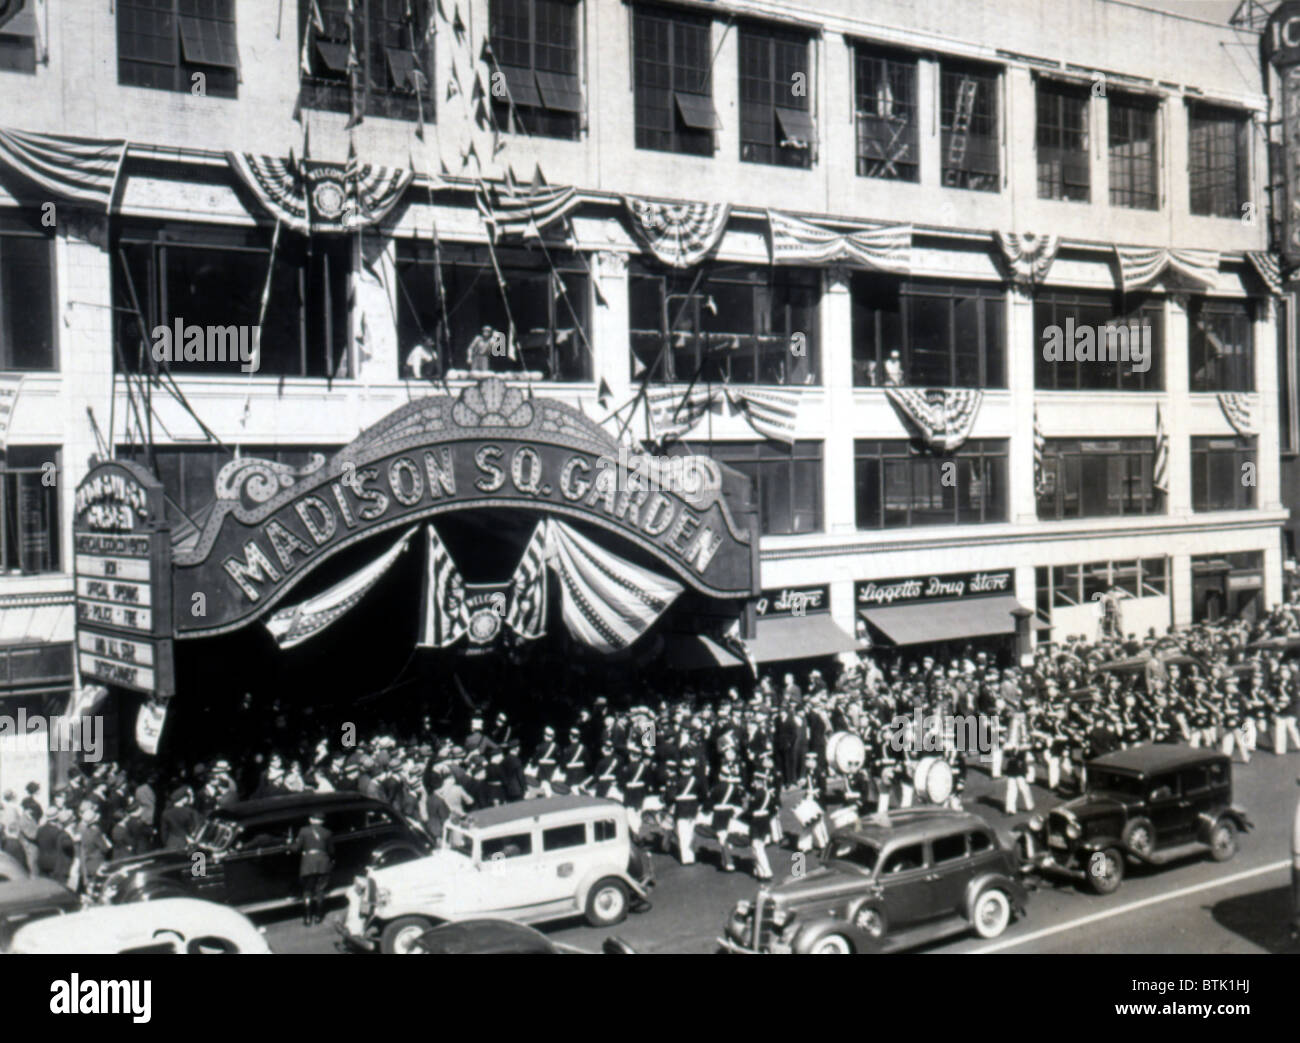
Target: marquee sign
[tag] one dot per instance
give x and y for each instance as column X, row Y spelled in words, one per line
column 878, row 593
column 123, row 580
column 488, row 448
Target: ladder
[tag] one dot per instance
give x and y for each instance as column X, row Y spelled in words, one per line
column 961, row 125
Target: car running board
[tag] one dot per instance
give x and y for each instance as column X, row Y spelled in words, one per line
column 1170, row 854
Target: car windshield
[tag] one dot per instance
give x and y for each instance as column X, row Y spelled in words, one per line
column 461, row 843
column 216, row 834
column 1114, row 782
column 856, row 852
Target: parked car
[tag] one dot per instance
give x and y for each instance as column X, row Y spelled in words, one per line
column 1149, row 804
column 25, row 899
column 243, row 855
column 171, row 925
column 890, row 882
column 530, row 861
column 11, row 869
column 499, row 936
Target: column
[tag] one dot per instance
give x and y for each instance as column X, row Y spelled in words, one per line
column 611, row 359
column 1021, row 353
column 1176, row 409
column 836, row 345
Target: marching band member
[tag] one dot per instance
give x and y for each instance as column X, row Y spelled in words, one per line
column 764, row 810
column 573, row 765
column 606, row 771
column 547, row 759
column 1016, row 767
column 634, row 781
column 686, row 807
column 726, row 802
column 810, row 810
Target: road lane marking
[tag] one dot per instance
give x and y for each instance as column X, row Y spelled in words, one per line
column 1083, row 921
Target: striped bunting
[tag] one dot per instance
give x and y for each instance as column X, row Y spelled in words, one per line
column 1160, row 469
column 444, row 620
column 84, row 169
column 1141, row 266
column 679, row 234
column 1028, row 256
column 674, row 414
column 528, row 213
column 609, row 602
column 1040, row 449
column 1239, row 410
column 526, row 615
column 284, row 189
column 773, row 414
column 944, row 417
column 883, row 247
column 1268, row 268
column 294, row 625
column 10, row 385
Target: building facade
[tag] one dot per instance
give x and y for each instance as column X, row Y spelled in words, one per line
column 888, row 212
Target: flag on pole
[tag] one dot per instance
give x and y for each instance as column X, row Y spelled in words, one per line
column 1160, row 470
column 1040, row 447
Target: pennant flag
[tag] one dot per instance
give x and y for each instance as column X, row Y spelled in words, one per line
column 944, row 417
column 1239, row 409
column 603, row 394
column 1141, row 266
column 609, row 602
column 443, row 617
column 294, row 625
column 1160, row 469
column 1028, row 257
column 679, row 234
column 10, row 386
column 84, row 169
column 1040, row 450
column 526, row 215
column 883, row 247
column 526, row 614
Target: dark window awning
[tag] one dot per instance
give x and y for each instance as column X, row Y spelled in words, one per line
column 796, row 127
column 207, row 41
column 799, row 637
column 697, row 652
column 560, row 92
column 697, row 111
column 522, row 88
column 334, row 55
column 944, row 620
column 402, row 68
column 18, row 19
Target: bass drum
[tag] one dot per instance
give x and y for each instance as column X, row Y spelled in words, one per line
column 932, row 779
column 846, row 752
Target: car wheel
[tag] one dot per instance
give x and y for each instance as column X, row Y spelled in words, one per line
column 1139, row 838
column 401, row 937
column 832, row 945
column 991, row 913
column 1105, row 871
column 607, row 902
column 870, row 920
column 1223, row 841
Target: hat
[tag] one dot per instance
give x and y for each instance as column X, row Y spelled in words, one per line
column 221, row 767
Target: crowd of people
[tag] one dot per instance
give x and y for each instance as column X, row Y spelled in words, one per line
column 730, row 768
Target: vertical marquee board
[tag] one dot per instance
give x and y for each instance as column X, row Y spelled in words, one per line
column 122, row 547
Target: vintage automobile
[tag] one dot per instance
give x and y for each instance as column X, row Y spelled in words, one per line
column 24, row 899
column 172, row 925
column 482, row 937
column 243, row 856
column 1150, row 804
column 889, row 882
column 530, row 861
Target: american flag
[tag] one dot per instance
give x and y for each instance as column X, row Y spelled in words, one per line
column 1040, row 447
column 443, row 619
column 526, row 615
column 1160, row 470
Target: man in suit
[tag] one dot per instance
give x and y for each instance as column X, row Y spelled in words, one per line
column 180, row 822
column 56, row 850
column 315, row 845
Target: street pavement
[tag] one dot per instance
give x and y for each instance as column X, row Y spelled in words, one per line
column 1192, row 906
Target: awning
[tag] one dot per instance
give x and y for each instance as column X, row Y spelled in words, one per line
column 799, row 637
column 944, row 620
column 696, row 652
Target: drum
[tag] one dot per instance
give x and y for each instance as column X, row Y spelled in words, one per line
column 844, row 818
column 807, row 811
column 846, row 752
column 932, row 779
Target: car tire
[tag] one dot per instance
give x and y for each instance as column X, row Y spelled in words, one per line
column 1223, row 840
column 399, row 935
column 1139, row 838
column 831, row 945
column 871, row 921
column 991, row 913
column 1105, row 870
column 607, row 902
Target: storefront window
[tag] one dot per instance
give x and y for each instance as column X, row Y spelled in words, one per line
column 1223, row 474
column 1112, row 324
column 540, row 325
column 1089, row 479
column 900, row 486
column 788, row 481
column 1221, row 345
column 946, row 334
column 29, row 509
column 740, row 325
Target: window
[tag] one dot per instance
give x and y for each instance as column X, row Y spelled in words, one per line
column 214, row 278
column 739, row 324
column 604, row 829
column 564, row 836
column 946, row 335
column 514, row 846
column 550, row 312
column 1218, row 147
column 29, row 510
column 671, row 59
column 535, row 43
column 394, row 53
column 1093, row 479
column 968, row 126
column 1194, row 780
column 775, row 84
column 1154, row 581
column 788, row 480
column 1133, row 152
column 904, row 859
column 26, row 302
column 980, row 842
column 885, row 114
column 948, row 849
column 1094, row 332
column 165, row 44
column 1063, row 142
column 1220, row 774
column 1221, row 345
column 1219, row 474
column 18, row 36
column 899, row 485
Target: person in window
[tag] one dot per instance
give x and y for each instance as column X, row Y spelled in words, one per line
column 420, row 357
column 481, row 350
column 315, row 843
column 894, row 369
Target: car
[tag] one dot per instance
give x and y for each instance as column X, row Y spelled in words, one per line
column 530, row 861
column 170, row 925
column 25, row 899
column 499, row 936
column 1149, row 804
column 243, row 855
column 12, row 869
column 889, row 882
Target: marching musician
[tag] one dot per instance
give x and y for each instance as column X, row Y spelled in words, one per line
column 634, row 782
column 573, row 764
column 811, row 807
column 606, row 771
column 764, row 811
column 686, row 797
column 547, row 760
column 726, row 802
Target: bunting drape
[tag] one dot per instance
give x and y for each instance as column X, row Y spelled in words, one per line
column 1239, row 409
column 773, row 414
column 527, row 213
column 1028, row 256
column 84, row 169
column 883, row 247
column 944, row 417
column 1141, row 266
column 678, row 234
column 308, row 196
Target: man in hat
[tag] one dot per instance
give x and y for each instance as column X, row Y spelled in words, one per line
column 547, row 759
column 315, row 845
column 574, row 763
column 634, row 783
column 56, row 849
column 686, row 796
column 606, row 771
column 726, row 802
column 764, row 812
column 180, row 822
column 132, row 835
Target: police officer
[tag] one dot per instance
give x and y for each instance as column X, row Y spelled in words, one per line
column 316, row 845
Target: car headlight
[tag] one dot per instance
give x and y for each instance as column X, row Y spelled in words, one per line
column 743, row 908
column 383, row 896
column 1073, row 830
column 1036, row 823
column 782, row 917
